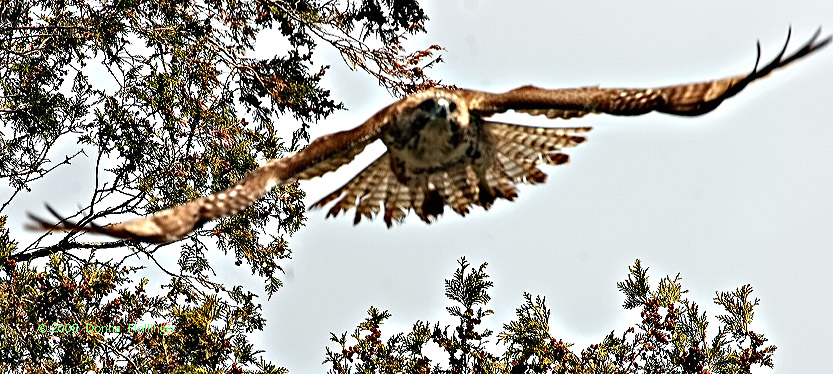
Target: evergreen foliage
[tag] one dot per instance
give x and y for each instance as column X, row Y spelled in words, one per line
column 671, row 337
column 185, row 113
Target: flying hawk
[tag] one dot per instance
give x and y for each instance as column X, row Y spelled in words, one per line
column 441, row 150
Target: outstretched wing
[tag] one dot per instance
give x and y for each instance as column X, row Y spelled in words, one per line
column 686, row 99
column 323, row 155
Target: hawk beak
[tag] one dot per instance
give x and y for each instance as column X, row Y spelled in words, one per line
column 442, row 108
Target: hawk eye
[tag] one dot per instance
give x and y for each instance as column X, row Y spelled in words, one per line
column 452, row 107
column 427, row 105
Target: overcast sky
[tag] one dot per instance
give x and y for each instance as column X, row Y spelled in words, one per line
column 741, row 195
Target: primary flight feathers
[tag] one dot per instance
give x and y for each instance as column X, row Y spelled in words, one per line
column 441, row 151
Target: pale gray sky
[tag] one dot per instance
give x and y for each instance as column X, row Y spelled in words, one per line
column 741, row 195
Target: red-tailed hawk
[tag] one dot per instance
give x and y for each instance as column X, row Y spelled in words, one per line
column 442, row 150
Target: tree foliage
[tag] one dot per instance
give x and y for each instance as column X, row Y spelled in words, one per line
column 671, row 337
column 183, row 112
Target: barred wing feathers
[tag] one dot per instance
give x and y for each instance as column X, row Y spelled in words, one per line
column 517, row 150
column 685, row 99
column 323, row 155
column 512, row 154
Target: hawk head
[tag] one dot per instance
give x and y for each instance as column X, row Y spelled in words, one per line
column 431, row 129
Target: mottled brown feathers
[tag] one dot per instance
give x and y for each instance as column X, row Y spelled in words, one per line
column 442, row 151
column 686, row 99
column 519, row 149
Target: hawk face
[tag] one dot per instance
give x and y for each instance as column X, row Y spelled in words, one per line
column 435, row 133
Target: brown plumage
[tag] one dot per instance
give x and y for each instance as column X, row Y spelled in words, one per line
column 442, row 151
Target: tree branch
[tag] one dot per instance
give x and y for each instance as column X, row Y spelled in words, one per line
column 65, row 245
